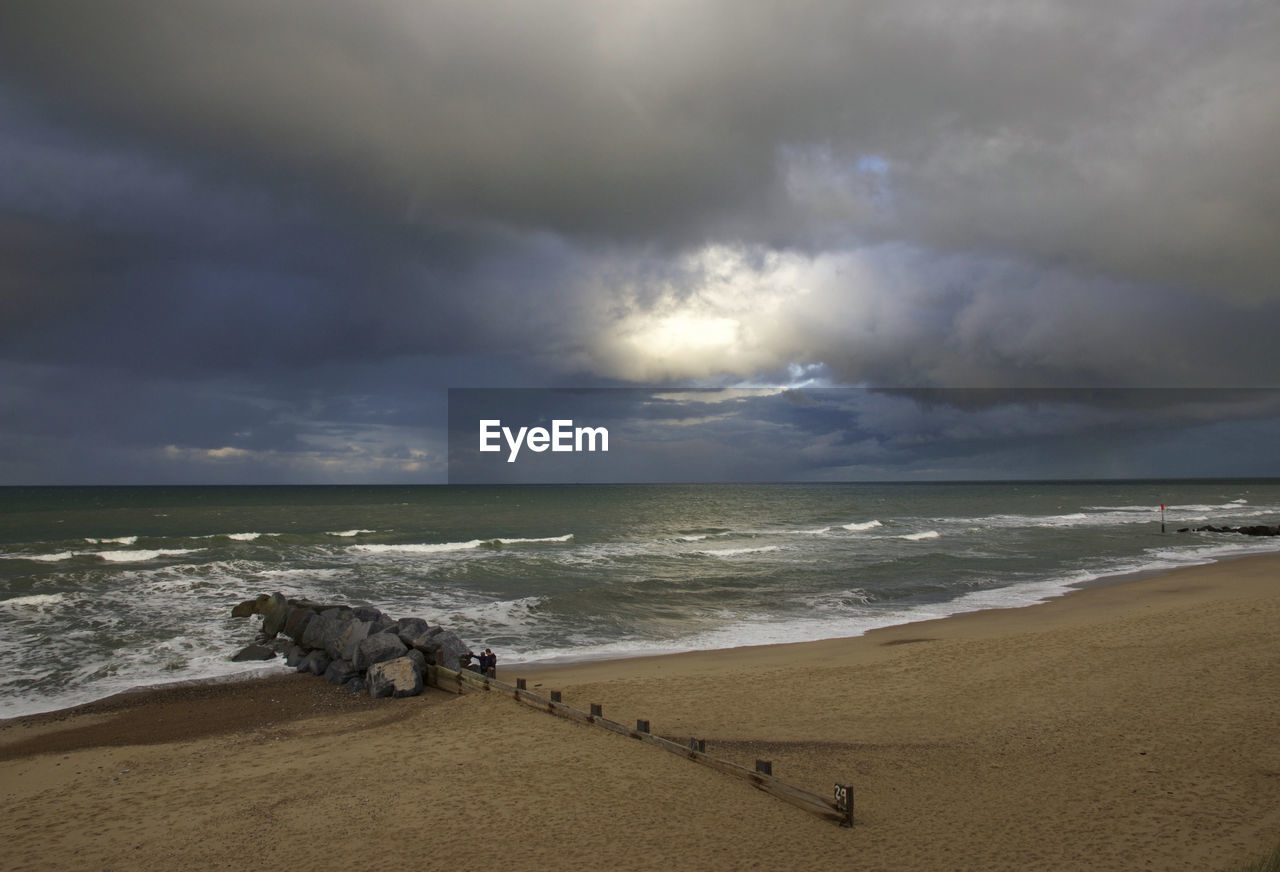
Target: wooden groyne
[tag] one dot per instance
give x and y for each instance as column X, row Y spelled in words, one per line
column 837, row 808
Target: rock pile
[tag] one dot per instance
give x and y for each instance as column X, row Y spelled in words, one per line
column 1251, row 530
column 359, row 647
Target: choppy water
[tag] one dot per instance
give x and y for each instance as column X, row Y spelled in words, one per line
column 103, row 589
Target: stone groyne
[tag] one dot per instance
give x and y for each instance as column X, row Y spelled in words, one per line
column 1248, row 530
column 359, row 647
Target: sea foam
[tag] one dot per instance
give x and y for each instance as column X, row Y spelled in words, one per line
column 34, row 601
column 417, row 548
column 42, row 558
column 736, row 552
column 140, row 555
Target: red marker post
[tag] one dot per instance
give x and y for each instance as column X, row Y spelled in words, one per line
column 1162, row 517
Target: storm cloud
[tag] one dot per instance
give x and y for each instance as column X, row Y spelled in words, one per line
column 300, row 221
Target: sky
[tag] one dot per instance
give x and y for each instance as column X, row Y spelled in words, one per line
column 259, row 241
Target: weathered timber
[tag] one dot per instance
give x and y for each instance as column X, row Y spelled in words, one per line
column 814, row 803
column 843, row 795
column 442, row 678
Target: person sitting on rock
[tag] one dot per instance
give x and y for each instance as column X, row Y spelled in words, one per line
column 464, row 662
column 489, row 663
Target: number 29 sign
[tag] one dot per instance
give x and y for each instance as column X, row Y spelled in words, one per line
column 843, row 796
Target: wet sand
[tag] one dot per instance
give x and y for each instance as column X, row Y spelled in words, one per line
column 1129, row 726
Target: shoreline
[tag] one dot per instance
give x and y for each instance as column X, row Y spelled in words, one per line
column 1066, row 609
column 571, row 664
column 1060, row 589
column 1120, row 726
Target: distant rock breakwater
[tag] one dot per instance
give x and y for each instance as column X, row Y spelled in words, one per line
column 1250, row 530
column 358, row 647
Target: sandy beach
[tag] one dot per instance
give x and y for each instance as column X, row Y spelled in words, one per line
column 1126, row 726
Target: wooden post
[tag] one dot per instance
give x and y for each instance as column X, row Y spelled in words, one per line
column 762, row 778
column 555, row 696
column 844, row 803
column 520, row 684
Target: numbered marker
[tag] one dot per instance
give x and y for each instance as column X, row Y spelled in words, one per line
column 843, row 795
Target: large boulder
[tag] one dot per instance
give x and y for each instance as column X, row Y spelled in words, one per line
column 409, row 629
column 253, row 652
column 424, row 644
column 367, row 613
column 274, row 612
column 433, row 642
column 316, row 662
column 378, row 648
column 398, row 678
column 314, row 633
column 339, row 672
column 295, row 622
column 448, row 649
column 325, row 630
column 245, row 609
column 349, row 642
column 333, row 643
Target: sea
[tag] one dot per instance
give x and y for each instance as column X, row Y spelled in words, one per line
column 106, row 589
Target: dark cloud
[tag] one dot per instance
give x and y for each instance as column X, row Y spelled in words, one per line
column 865, row 434
column 74, row 425
column 1131, row 138
column 368, row 203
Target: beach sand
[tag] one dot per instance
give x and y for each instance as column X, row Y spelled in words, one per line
column 1127, row 726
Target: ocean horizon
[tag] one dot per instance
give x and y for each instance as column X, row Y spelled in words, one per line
column 110, row 588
